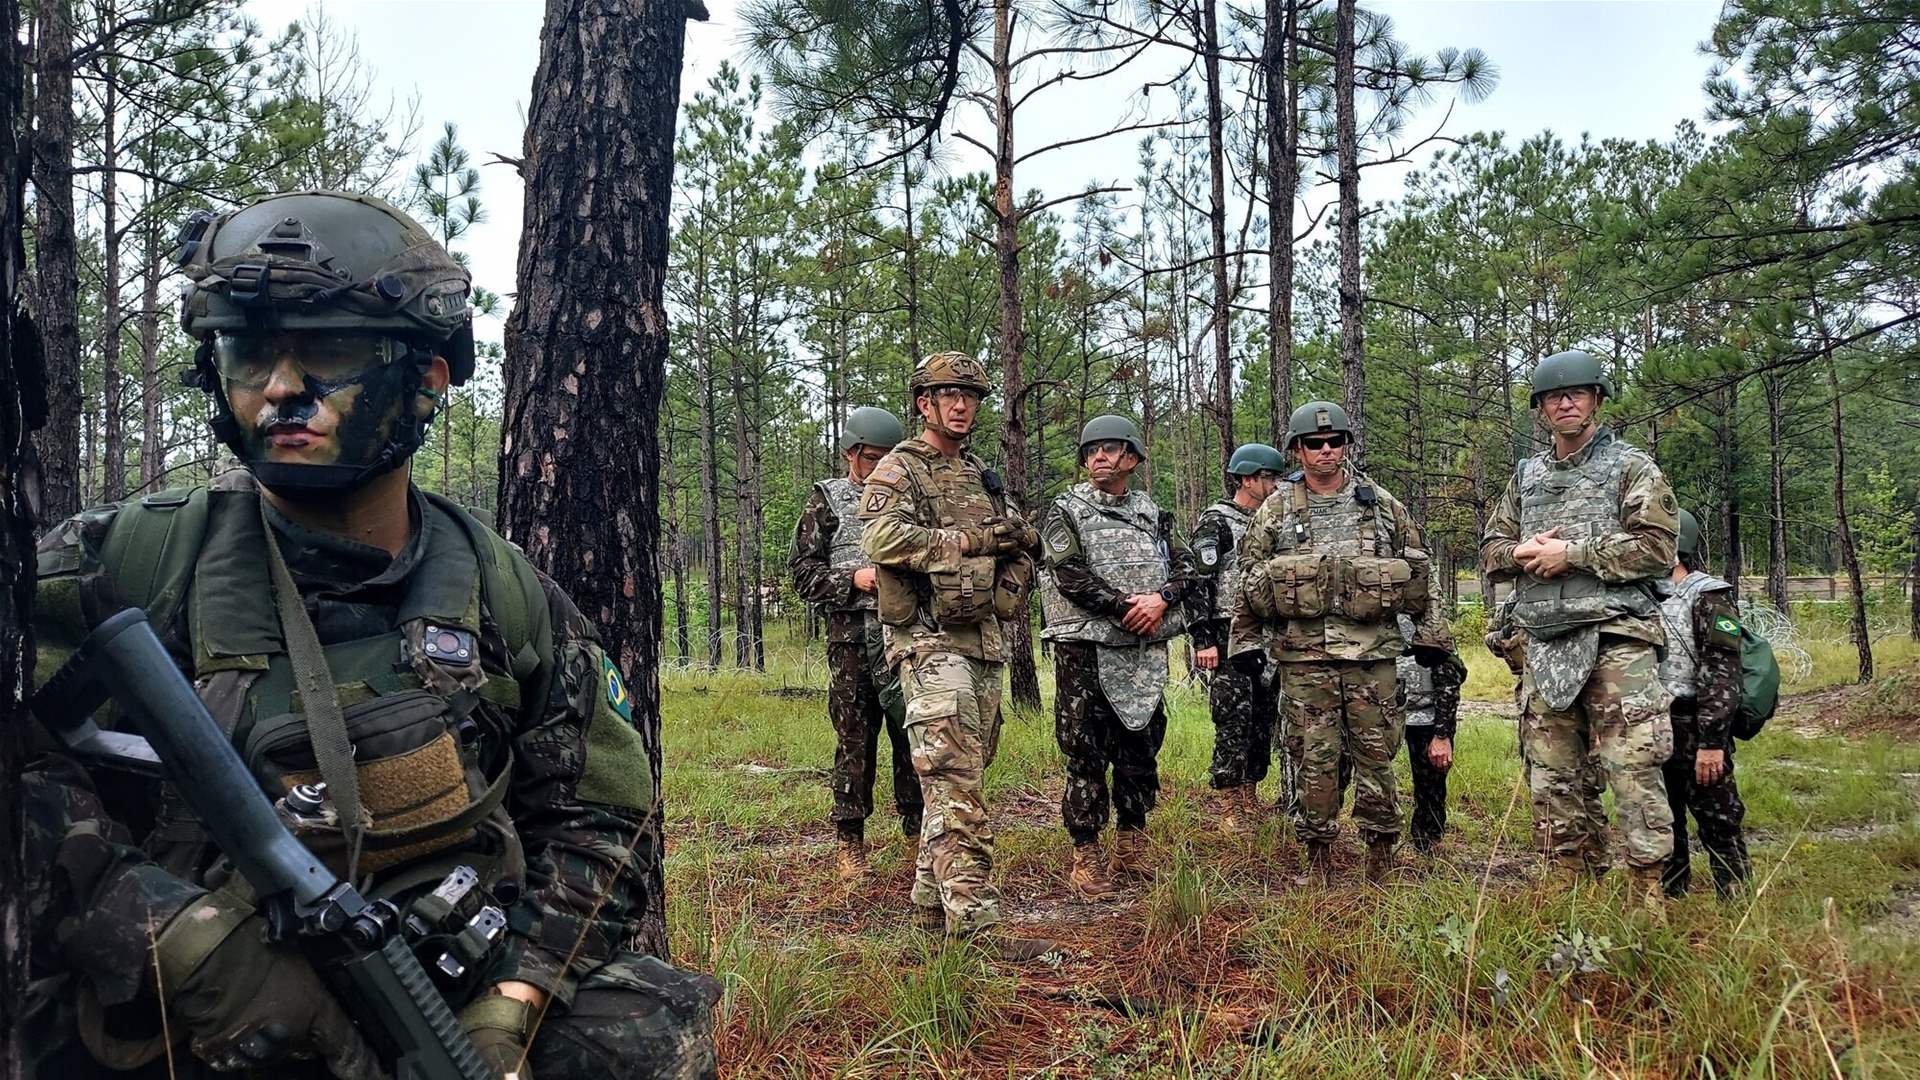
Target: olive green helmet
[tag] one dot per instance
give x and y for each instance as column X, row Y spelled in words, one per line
column 325, row 260
column 1250, row 458
column 1317, row 417
column 1689, row 539
column 868, row 426
column 1110, row 426
column 1568, row 370
column 949, row 369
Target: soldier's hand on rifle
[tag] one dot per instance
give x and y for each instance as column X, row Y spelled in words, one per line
column 864, row 579
column 1709, row 766
column 1144, row 612
column 1206, row 659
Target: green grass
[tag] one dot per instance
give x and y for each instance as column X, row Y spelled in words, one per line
column 1221, row 968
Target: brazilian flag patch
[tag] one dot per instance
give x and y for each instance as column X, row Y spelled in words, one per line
column 617, row 698
column 1726, row 624
column 1725, row 632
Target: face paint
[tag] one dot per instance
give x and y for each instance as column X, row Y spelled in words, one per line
column 329, row 406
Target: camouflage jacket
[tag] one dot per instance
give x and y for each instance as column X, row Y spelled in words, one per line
column 1713, row 645
column 579, row 788
column 1642, row 550
column 818, row 577
column 1219, row 534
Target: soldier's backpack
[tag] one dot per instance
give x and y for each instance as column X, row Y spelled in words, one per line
column 1759, row 685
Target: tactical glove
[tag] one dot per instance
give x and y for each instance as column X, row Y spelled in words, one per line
column 500, row 1027
column 1001, row 536
column 245, row 1003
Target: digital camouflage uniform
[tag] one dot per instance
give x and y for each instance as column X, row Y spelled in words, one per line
column 1243, row 693
column 112, row 858
column 826, row 552
column 1431, row 697
column 1338, row 687
column 1592, row 684
column 1108, row 708
column 1701, row 669
column 916, row 504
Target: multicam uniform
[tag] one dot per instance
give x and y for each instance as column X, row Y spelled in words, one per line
column 826, row 552
column 555, row 791
column 1701, row 669
column 1592, row 682
column 916, row 503
column 1316, row 574
column 1509, row 643
column 1108, row 710
column 1242, row 695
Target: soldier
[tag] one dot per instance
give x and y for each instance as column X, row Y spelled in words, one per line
column 1241, row 693
column 1431, row 697
column 1701, row 669
column 320, row 599
column 1113, row 581
column 1586, row 527
column 830, row 570
column 1509, row 643
column 951, row 561
column 1330, row 561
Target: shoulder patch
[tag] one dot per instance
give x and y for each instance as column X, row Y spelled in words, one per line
column 1669, row 503
column 1059, row 539
column 1206, row 552
column 887, row 473
column 616, row 689
column 1724, row 632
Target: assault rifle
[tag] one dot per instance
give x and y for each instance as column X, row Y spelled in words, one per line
column 356, row 944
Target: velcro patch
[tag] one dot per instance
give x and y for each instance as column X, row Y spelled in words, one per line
column 616, row 689
column 1725, row 632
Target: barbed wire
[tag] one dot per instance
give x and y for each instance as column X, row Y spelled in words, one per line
column 1777, row 627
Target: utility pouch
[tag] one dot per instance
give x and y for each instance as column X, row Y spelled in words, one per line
column 965, row 596
column 1374, row 589
column 1012, row 587
column 1303, row 586
column 895, row 596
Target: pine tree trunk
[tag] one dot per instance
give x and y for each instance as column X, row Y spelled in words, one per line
column 587, row 343
column 1217, row 231
column 1776, row 493
column 912, row 259
column 1283, row 156
column 56, row 286
column 113, row 430
column 1843, row 528
column 1023, row 679
column 1913, row 571
column 1728, row 437
column 1353, row 371
column 153, row 450
column 709, row 467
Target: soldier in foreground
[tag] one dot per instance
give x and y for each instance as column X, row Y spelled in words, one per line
column 1509, row 643
column 1241, row 693
column 1330, row 561
column 1432, row 700
column 1701, row 669
column 344, row 626
column 1586, row 528
column 1113, row 582
column 951, row 562
column 830, row 570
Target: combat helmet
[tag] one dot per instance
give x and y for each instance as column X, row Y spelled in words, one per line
column 1568, row 370
column 949, row 369
column 320, row 262
column 1112, row 426
column 1688, row 542
column 1253, row 457
column 868, row 426
column 1315, row 418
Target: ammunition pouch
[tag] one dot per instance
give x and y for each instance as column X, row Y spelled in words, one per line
column 965, row 596
column 1377, row 589
column 1012, row 586
column 1302, row 586
column 896, row 598
column 415, row 783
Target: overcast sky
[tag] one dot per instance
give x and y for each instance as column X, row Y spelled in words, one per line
column 1611, row 68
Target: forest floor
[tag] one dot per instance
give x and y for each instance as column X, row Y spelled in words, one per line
column 1464, row 965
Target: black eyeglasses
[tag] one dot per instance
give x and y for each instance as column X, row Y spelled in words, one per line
column 1323, row 442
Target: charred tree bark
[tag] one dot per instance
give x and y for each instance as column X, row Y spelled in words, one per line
column 587, row 343
column 1777, row 494
column 1279, row 55
column 56, row 284
column 1217, row 230
column 153, row 450
column 113, row 428
column 1353, row 371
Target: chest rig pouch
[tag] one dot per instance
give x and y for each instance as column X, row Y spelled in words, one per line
column 954, row 495
column 1352, row 574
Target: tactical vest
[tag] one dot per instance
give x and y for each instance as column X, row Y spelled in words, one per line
column 1416, row 680
column 1680, row 663
column 1583, row 501
column 431, row 719
column 952, row 495
column 843, row 549
column 1120, row 537
column 1226, row 577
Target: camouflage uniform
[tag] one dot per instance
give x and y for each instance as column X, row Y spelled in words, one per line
column 1431, row 697
column 1509, row 643
column 112, row 858
column 1108, row 709
column 826, row 552
column 917, row 503
column 1592, row 685
column 1241, row 694
column 1701, row 669
column 1337, row 682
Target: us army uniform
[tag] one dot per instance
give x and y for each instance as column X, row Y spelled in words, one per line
column 1592, row 683
column 916, row 505
column 1109, row 713
column 1338, row 686
column 1509, row 643
column 1431, row 697
column 826, row 552
column 1243, row 694
column 1701, row 669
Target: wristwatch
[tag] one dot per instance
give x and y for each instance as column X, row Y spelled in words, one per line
column 1167, row 594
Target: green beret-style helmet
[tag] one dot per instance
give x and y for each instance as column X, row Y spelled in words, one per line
column 1253, row 457
column 1570, row 370
column 1688, row 542
column 1316, row 418
column 868, row 426
column 1111, row 426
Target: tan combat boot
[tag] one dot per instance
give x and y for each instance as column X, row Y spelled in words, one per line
column 1130, row 855
column 1089, row 874
column 852, row 860
column 1233, row 811
column 1015, row 949
column 1319, row 866
column 930, row 919
column 1646, row 892
column 1379, row 858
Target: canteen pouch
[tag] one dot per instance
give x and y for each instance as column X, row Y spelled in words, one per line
column 414, row 782
column 1012, row 586
column 965, row 596
column 895, row 597
column 1374, row 589
column 1302, row 586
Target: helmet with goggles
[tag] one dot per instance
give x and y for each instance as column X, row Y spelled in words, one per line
column 333, row 289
